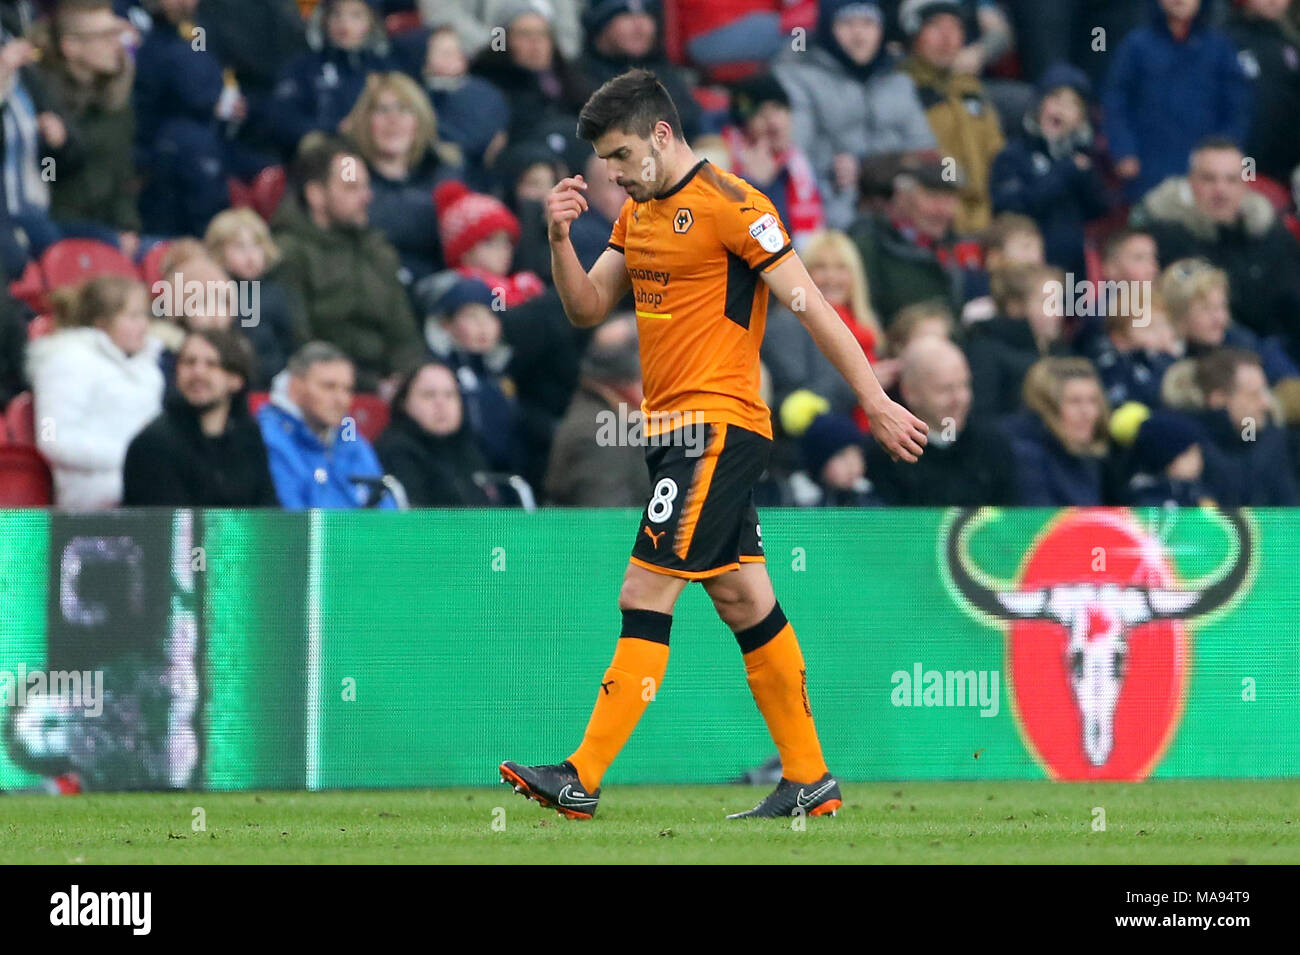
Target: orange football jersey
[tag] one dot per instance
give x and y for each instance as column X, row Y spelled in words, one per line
column 694, row 254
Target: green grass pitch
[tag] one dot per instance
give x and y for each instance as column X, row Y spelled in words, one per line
column 1179, row 822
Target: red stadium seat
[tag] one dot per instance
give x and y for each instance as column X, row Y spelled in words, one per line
column 402, row 21
column 40, row 326
column 25, row 479
column 71, row 261
column 30, row 287
column 151, row 264
column 241, row 193
column 1092, row 256
column 371, row 413
column 672, row 34
column 268, row 190
column 1278, row 195
column 20, row 419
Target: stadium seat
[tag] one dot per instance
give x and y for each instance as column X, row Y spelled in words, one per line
column 403, row 21
column 241, row 193
column 1092, row 256
column 268, row 190
column 151, row 264
column 25, row 479
column 672, row 35
column 1278, row 195
column 71, row 261
column 20, row 419
column 371, row 413
column 40, row 326
column 30, row 288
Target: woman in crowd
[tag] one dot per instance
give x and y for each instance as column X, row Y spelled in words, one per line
column 789, row 352
column 537, row 81
column 395, row 130
column 428, row 445
column 1061, row 441
column 96, row 383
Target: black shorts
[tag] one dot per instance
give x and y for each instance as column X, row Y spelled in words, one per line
column 701, row 520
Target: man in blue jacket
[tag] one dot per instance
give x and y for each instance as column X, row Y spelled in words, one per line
column 1174, row 82
column 316, row 453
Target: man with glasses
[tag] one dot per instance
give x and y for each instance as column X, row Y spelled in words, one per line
column 89, row 76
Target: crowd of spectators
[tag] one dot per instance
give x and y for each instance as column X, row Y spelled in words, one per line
column 1063, row 233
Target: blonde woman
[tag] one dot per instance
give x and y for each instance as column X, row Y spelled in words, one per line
column 96, row 382
column 1061, row 442
column 1197, row 296
column 795, row 362
column 240, row 242
column 394, row 128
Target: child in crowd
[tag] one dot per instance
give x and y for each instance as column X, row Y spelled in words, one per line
column 463, row 331
column 1026, row 328
column 478, row 241
column 1138, row 348
column 1167, row 463
column 1197, row 294
column 1010, row 240
column 240, row 242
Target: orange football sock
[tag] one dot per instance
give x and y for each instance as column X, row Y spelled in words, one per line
column 630, row 683
column 779, row 681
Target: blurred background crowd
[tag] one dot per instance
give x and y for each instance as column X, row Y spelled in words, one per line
column 1063, row 232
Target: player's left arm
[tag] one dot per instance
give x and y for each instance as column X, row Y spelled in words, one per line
column 899, row 432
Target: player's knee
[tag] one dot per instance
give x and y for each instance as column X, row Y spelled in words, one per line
column 737, row 608
column 646, row 592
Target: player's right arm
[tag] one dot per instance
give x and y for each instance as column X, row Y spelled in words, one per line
column 587, row 296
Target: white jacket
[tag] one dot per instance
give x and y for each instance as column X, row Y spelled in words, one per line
column 91, row 400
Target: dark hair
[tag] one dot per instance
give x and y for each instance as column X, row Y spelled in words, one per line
column 398, row 404
column 315, row 159
column 1001, row 229
column 630, row 103
column 1215, row 144
column 72, row 8
column 234, row 351
column 1118, row 238
column 1217, row 371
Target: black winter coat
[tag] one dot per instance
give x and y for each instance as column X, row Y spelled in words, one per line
column 172, row 463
